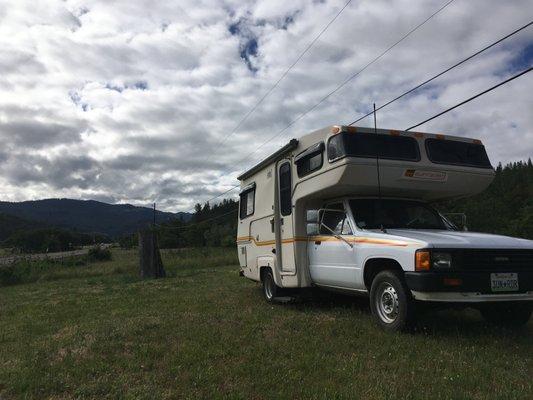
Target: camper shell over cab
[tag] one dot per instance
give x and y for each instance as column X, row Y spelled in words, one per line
column 346, row 208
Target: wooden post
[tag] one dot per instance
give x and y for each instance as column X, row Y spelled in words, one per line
column 150, row 264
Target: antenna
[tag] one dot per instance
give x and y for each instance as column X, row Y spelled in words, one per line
column 377, row 165
column 377, row 152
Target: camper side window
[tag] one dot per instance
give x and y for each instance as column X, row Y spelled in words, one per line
column 247, row 204
column 310, row 159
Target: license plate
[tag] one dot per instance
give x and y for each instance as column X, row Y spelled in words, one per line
column 504, row 282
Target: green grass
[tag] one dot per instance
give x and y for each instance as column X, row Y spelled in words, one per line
column 98, row 331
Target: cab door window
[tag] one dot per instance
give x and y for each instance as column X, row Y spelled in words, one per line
column 334, row 217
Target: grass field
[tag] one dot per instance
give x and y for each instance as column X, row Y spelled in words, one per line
column 97, row 331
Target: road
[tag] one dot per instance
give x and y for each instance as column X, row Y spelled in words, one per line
column 43, row 256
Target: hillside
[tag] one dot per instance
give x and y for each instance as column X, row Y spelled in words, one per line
column 10, row 224
column 87, row 215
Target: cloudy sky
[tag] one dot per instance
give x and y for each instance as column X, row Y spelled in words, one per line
column 133, row 101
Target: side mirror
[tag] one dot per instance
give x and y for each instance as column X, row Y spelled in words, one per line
column 312, row 229
column 313, row 216
column 458, row 219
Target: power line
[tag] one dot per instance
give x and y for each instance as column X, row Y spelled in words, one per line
column 471, row 98
column 217, row 196
column 408, row 129
column 199, row 222
column 444, row 72
column 333, row 91
column 251, row 111
column 223, row 193
column 347, row 80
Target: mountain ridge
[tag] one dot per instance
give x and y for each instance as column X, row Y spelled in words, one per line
column 90, row 216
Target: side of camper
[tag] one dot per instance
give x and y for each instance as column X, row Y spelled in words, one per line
column 266, row 240
column 277, row 193
column 347, row 208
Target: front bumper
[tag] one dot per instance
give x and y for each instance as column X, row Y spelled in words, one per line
column 458, row 286
column 470, row 297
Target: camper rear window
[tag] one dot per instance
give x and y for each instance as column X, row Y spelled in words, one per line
column 457, row 153
column 247, row 204
column 370, row 145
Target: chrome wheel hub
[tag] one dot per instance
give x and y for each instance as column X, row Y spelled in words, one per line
column 387, row 303
column 269, row 290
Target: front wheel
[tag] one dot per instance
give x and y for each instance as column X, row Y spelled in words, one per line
column 507, row 314
column 391, row 302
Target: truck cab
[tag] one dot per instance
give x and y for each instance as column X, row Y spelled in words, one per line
column 350, row 209
column 400, row 251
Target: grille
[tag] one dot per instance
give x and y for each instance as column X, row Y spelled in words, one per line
column 493, row 260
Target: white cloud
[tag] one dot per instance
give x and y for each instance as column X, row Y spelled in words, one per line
column 130, row 101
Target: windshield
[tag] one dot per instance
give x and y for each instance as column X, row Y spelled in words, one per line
column 395, row 214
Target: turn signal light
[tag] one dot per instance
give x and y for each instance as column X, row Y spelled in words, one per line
column 422, row 260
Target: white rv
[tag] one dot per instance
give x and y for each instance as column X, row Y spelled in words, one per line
column 348, row 208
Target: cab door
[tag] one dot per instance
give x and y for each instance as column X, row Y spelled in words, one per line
column 285, row 216
column 332, row 260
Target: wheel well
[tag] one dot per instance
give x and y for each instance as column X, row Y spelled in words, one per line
column 375, row 266
column 263, row 271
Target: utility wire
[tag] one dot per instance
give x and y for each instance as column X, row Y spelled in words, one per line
column 444, row 72
column 197, row 223
column 217, row 196
column 223, row 193
column 252, row 110
column 276, row 84
column 330, row 93
column 472, row 98
column 347, row 80
column 408, row 129
column 427, row 120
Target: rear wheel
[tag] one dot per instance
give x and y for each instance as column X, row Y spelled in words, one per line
column 270, row 289
column 507, row 314
column 391, row 302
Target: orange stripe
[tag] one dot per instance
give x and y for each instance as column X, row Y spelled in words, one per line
column 364, row 240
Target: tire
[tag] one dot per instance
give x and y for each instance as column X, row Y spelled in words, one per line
column 507, row 314
column 391, row 303
column 270, row 289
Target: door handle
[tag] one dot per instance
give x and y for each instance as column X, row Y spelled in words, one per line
column 318, row 242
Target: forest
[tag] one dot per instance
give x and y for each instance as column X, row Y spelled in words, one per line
column 505, row 207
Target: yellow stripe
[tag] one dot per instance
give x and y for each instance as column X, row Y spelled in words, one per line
column 355, row 239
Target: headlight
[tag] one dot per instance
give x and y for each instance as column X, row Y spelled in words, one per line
column 441, row 260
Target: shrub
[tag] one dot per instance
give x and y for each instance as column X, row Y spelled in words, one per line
column 99, row 254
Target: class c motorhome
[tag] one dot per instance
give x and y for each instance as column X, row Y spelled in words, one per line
column 348, row 209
